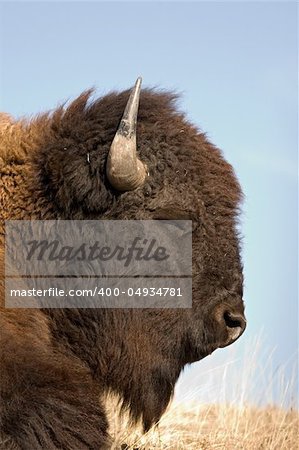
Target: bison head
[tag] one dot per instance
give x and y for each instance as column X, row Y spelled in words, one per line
column 92, row 160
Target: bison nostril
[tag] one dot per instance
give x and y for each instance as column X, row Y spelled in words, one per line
column 234, row 320
column 235, row 325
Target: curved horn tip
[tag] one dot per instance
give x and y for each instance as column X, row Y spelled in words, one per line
column 138, row 81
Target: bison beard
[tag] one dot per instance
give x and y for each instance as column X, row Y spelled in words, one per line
column 55, row 364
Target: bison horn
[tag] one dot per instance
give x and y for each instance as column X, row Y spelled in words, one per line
column 125, row 171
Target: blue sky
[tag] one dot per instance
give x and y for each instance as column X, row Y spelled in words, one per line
column 235, row 64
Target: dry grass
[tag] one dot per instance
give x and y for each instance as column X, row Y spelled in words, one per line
column 212, row 427
column 229, row 419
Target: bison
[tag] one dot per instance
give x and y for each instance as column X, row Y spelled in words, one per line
column 92, row 159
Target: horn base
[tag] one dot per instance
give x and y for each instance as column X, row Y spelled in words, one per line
column 124, row 170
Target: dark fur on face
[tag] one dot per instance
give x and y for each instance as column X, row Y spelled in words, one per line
column 54, row 167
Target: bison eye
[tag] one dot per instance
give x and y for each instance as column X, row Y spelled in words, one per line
column 171, row 212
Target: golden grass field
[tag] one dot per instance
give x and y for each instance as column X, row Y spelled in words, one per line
column 231, row 420
column 205, row 427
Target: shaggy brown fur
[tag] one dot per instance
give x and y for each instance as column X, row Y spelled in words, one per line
column 56, row 362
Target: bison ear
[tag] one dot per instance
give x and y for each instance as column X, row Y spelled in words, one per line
column 124, row 170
